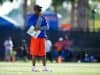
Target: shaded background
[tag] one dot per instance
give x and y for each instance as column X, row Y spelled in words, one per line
column 79, row 19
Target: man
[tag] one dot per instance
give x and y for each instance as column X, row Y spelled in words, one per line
column 8, row 45
column 48, row 50
column 67, row 49
column 59, row 46
column 38, row 44
column 24, row 50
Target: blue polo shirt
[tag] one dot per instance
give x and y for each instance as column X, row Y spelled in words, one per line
column 32, row 20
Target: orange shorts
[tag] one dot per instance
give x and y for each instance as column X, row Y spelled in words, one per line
column 38, row 47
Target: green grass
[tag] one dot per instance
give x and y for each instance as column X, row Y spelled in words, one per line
column 21, row 68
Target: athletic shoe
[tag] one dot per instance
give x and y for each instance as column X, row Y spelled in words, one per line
column 46, row 70
column 35, row 70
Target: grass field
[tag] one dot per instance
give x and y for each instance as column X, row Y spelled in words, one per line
column 21, row 68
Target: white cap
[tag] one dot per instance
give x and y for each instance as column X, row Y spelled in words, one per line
column 60, row 39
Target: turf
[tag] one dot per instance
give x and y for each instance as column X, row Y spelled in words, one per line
column 21, row 68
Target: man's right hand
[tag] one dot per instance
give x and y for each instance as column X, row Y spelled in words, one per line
column 36, row 28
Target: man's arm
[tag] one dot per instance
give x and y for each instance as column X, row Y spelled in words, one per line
column 45, row 25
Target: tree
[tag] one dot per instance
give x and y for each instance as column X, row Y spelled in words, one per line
column 1, row 1
column 25, row 12
column 83, row 15
column 56, row 4
column 72, row 20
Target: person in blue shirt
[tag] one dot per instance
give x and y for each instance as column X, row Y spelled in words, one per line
column 38, row 44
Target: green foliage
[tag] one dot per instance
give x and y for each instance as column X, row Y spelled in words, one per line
column 33, row 1
column 57, row 2
column 72, row 1
column 1, row 1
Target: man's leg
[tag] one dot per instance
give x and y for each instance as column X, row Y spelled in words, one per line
column 42, row 53
column 44, row 63
column 33, row 60
column 34, row 46
column 44, row 60
column 33, row 64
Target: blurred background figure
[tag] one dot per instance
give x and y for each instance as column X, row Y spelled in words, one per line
column 8, row 45
column 59, row 47
column 49, row 50
column 24, row 50
column 67, row 48
column 79, row 19
column 89, row 58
